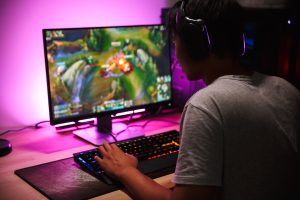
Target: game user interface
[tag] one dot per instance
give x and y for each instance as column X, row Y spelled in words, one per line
column 93, row 70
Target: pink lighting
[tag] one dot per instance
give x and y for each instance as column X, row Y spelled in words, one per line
column 64, row 124
column 130, row 112
column 140, row 110
column 22, row 72
column 124, row 113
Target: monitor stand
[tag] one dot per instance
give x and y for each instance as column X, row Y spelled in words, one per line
column 104, row 130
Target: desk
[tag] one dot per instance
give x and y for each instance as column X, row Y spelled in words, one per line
column 36, row 146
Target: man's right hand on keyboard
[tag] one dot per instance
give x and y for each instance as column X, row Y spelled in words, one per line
column 114, row 161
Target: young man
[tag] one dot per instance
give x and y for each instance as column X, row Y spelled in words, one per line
column 239, row 134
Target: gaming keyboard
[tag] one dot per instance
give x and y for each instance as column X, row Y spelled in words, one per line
column 156, row 152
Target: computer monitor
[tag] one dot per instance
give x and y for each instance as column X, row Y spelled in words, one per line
column 96, row 72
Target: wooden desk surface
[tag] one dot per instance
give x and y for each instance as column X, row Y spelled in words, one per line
column 36, row 146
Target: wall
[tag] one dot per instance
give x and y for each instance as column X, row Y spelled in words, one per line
column 23, row 99
column 264, row 3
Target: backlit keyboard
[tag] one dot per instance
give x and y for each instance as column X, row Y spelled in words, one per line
column 161, row 147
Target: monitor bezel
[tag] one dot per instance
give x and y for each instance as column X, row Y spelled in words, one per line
column 148, row 107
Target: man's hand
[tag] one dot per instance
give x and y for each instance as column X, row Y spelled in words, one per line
column 122, row 167
column 115, row 162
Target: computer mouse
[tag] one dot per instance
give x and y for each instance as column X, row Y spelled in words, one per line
column 5, row 147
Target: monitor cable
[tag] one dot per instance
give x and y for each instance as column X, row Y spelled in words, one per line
column 35, row 126
column 6, row 146
column 114, row 135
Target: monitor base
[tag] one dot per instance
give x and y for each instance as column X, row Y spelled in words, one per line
column 93, row 136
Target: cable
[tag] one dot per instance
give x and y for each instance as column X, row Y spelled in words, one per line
column 163, row 120
column 144, row 115
column 131, row 118
column 143, row 125
column 36, row 126
column 16, row 130
column 4, row 132
column 115, row 139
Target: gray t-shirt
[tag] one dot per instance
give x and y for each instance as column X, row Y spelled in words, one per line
column 240, row 133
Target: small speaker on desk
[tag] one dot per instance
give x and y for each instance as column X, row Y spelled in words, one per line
column 5, row 147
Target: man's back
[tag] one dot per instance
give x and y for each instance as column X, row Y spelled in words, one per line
column 260, row 146
column 257, row 120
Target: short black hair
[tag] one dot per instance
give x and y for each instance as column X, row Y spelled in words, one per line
column 224, row 21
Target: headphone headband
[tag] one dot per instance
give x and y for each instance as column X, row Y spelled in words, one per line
column 187, row 26
column 195, row 34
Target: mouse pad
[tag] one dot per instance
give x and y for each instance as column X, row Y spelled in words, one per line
column 64, row 179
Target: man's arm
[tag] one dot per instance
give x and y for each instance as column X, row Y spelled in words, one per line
column 122, row 167
column 142, row 187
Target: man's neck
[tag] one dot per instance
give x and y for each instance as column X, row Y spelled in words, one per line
column 221, row 67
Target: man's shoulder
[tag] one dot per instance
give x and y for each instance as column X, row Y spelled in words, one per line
column 213, row 92
column 281, row 87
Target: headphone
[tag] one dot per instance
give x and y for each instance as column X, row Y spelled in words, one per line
column 195, row 34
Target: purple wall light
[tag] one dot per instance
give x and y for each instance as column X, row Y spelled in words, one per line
column 22, row 72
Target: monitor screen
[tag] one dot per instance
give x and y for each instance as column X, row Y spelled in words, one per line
column 104, row 70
